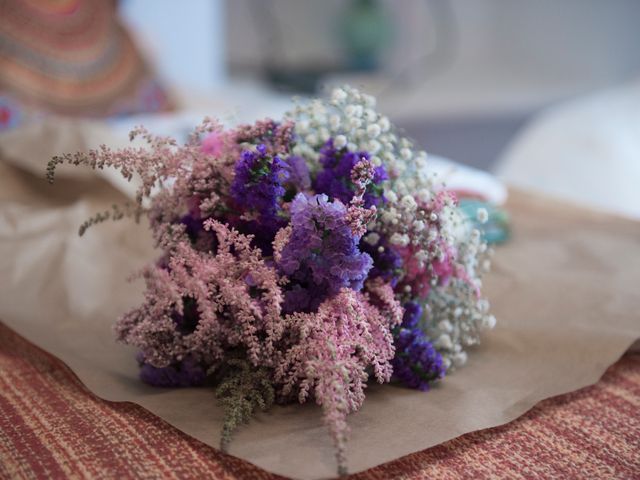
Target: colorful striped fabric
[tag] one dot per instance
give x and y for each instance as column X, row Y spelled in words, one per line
column 71, row 57
column 52, row 427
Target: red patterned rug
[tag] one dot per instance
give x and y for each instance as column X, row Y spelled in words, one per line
column 52, row 427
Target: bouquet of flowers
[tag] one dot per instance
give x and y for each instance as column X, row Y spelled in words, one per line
column 300, row 259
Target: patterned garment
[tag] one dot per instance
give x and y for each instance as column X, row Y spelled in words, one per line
column 71, row 57
column 52, row 427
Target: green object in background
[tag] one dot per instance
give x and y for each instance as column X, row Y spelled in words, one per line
column 496, row 229
column 366, row 30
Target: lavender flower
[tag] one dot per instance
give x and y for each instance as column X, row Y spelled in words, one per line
column 322, row 254
column 335, row 177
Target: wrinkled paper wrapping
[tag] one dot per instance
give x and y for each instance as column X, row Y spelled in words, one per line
column 564, row 291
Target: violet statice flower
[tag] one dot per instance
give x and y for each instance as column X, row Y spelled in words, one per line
column 298, row 173
column 298, row 298
column 387, row 262
column 257, row 185
column 416, row 363
column 335, row 177
column 187, row 373
column 412, row 314
column 321, row 256
column 257, row 188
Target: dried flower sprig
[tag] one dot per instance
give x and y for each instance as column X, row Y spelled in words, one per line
column 243, row 390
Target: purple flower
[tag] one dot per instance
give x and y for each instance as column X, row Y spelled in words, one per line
column 187, row 373
column 412, row 314
column 416, row 363
column 298, row 173
column 335, row 177
column 257, row 185
column 299, row 299
column 322, row 255
column 387, row 264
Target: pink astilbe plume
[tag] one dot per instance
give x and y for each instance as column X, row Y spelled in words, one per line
column 182, row 171
column 275, row 136
column 158, row 161
column 238, row 304
column 334, row 350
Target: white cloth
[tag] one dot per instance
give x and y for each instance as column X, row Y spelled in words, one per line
column 586, row 151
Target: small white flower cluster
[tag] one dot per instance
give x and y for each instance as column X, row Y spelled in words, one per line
column 456, row 316
column 350, row 118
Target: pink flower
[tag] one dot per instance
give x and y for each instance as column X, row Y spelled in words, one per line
column 348, row 335
column 214, row 143
column 419, row 275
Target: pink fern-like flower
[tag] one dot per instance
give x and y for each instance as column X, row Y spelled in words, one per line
column 238, row 304
column 337, row 345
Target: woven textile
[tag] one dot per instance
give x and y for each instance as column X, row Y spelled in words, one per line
column 52, row 427
column 71, row 57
